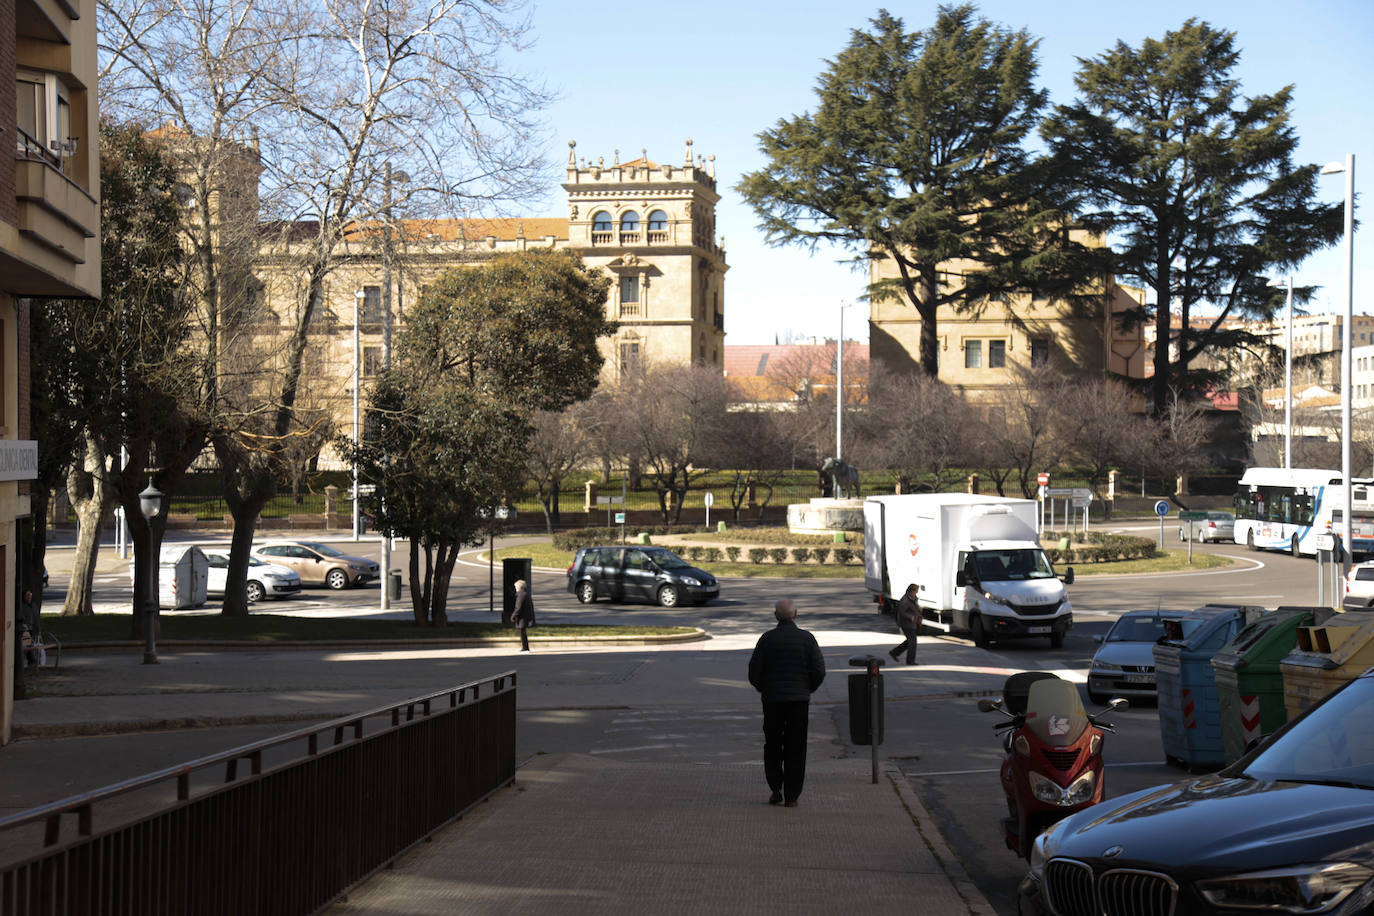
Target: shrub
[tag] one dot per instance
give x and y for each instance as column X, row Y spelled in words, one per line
column 821, row 554
column 756, row 554
column 732, row 552
column 694, row 553
column 778, row 554
column 843, row 555
column 801, row 554
column 712, row 554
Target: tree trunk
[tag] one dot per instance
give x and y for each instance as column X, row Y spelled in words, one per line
column 246, row 486
column 419, row 597
column 548, row 514
column 92, row 497
column 1159, row 385
column 443, row 573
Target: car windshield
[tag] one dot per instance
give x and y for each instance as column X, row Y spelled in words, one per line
column 324, row 549
column 1137, row 629
column 666, row 559
column 1335, row 744
column 1012, row 564
column 254, row 561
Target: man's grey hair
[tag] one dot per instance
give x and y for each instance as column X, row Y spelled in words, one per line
column 784, row 610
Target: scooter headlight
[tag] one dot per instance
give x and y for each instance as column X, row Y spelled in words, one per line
column 1045, row 790
column 1080, row 791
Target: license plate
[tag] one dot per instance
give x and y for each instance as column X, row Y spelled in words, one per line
column 1140, row 679
column 1038, row 631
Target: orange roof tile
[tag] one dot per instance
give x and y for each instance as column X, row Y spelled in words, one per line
column 449, row 230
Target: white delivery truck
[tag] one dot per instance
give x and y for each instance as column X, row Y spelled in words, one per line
column 976, row 561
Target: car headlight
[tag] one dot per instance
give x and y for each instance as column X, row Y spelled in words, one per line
column 688, row 580
column 995, row 599
column 357, row 567
column 1104, row 668
column 1297, row 889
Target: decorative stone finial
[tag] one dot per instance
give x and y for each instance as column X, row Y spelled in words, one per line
column 572, row 153
column 688, row 160
column 601, row 162
column 711, row 169
column 617, row 157
column 644, row 152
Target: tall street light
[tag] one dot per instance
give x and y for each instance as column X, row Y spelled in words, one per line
column 390, row 177
column 1347, row 342
column 1287, row 375
column 357, row 427
column 150, row 504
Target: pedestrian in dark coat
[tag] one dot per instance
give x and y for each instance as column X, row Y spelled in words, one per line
column 522, row 616
column 786, row 668
column 909, row 622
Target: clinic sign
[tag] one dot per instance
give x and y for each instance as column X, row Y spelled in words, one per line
column 18, row 459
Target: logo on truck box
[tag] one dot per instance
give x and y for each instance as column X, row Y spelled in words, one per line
column 913, row 543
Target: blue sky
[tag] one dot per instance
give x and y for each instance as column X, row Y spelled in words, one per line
column 649, row 75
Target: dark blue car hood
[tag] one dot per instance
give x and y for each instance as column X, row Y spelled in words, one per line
column 1215, row 825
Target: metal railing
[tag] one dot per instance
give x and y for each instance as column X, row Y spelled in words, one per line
column 317, row 811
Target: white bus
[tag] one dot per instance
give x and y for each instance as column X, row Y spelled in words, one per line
column 1286, row 508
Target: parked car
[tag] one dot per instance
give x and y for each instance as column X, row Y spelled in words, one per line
column 638, row 573
column 1359, row 586
column 1217, row 526
column 319, row 564
column 1125, row 664
column 1285, row 829
column 265, row 580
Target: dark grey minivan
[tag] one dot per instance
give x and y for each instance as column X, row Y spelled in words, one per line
column 634, row 573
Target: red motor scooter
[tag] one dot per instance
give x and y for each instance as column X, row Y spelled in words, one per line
column 1054, row 754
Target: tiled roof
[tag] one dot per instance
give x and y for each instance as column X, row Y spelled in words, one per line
column 449, row 230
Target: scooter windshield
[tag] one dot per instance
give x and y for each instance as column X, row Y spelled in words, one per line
column 1054, row 713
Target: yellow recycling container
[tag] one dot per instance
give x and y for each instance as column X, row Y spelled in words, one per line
column 1327, row 656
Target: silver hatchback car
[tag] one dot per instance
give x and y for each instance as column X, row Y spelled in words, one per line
column 1217, row 526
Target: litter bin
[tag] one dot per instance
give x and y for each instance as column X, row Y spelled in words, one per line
column 861, row 713
column 1189, row 717
column 1328, row 655
column 393, row 585
column 1249, row 683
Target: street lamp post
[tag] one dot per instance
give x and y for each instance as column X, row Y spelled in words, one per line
column 150, row 503
column 1287, row 282
column 357, row 427
column 1347, row 361
column 390, row 177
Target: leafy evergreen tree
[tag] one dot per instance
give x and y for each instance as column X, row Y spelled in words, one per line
column 1194, row 184
column 914, row 153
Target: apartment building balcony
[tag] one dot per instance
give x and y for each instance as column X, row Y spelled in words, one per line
column 57, row 220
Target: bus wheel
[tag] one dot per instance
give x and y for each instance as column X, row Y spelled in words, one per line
column 1250, row 539
column 1294, row 546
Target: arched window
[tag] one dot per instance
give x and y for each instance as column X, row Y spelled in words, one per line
column 658, row 221
column 601, row 222
column 629, row 221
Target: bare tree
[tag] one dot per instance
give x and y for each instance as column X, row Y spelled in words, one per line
column 918, row 427
column 750, row 444
column 1103, row 425
column 559, row 445
column 673, row 414
column 1019, row 431
column 1180, row 439
column 349, row 91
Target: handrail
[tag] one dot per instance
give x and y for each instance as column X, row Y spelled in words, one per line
column 81, row 803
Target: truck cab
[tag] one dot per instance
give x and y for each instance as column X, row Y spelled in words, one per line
column 1008, row 590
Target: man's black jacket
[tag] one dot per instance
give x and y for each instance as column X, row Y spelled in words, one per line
column 786, row 664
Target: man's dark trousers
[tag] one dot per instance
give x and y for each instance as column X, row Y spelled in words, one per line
column 784, row 745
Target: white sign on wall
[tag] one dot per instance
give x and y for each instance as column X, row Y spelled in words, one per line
column 18, row 459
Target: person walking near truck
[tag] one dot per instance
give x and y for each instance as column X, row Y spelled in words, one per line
column 786, row 668
column 909, row 622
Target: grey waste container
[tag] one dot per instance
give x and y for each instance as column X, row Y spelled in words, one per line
column 865, row 690
column 393, row 583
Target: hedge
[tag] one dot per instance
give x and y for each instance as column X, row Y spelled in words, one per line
column 1103, row 548
column 574, row 538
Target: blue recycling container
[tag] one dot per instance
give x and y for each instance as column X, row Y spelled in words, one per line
column 1189, row 708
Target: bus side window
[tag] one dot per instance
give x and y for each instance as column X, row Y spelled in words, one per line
column 1302, row 509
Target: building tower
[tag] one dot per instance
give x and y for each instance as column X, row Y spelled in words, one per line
column 652, row 228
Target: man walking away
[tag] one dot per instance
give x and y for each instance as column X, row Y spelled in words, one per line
column 909, row 622
column 786, row 668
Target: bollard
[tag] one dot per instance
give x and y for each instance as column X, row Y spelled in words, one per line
column 866, row 705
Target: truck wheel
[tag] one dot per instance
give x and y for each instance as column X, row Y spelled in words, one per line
column 1057, row 640
column 979, row 634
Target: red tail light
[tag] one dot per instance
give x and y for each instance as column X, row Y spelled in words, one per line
column 570, row 568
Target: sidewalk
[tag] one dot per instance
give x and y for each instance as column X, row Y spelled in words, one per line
column 577, row 833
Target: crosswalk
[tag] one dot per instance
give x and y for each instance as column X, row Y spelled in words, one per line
column 724, row 734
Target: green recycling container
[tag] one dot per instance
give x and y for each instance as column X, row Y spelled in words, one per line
column 1249, row 682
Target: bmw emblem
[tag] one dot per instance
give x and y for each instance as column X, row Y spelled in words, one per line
column 1112, row 852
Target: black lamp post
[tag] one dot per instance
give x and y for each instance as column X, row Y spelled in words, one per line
column 150, row 503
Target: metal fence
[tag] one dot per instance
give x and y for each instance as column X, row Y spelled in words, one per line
column 282, row 826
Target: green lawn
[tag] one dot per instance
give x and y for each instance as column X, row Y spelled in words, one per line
column 270, row 628
column 547, row 556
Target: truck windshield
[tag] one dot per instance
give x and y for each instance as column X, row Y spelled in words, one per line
column 1011, row 564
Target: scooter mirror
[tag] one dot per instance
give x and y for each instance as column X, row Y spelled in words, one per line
column 988, row 704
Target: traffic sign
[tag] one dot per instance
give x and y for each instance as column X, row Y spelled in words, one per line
column 610, row 500
column 709, row 499
column 620, row 518
column 1192, row 515
column 1162, row 508
column 1043, row 479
